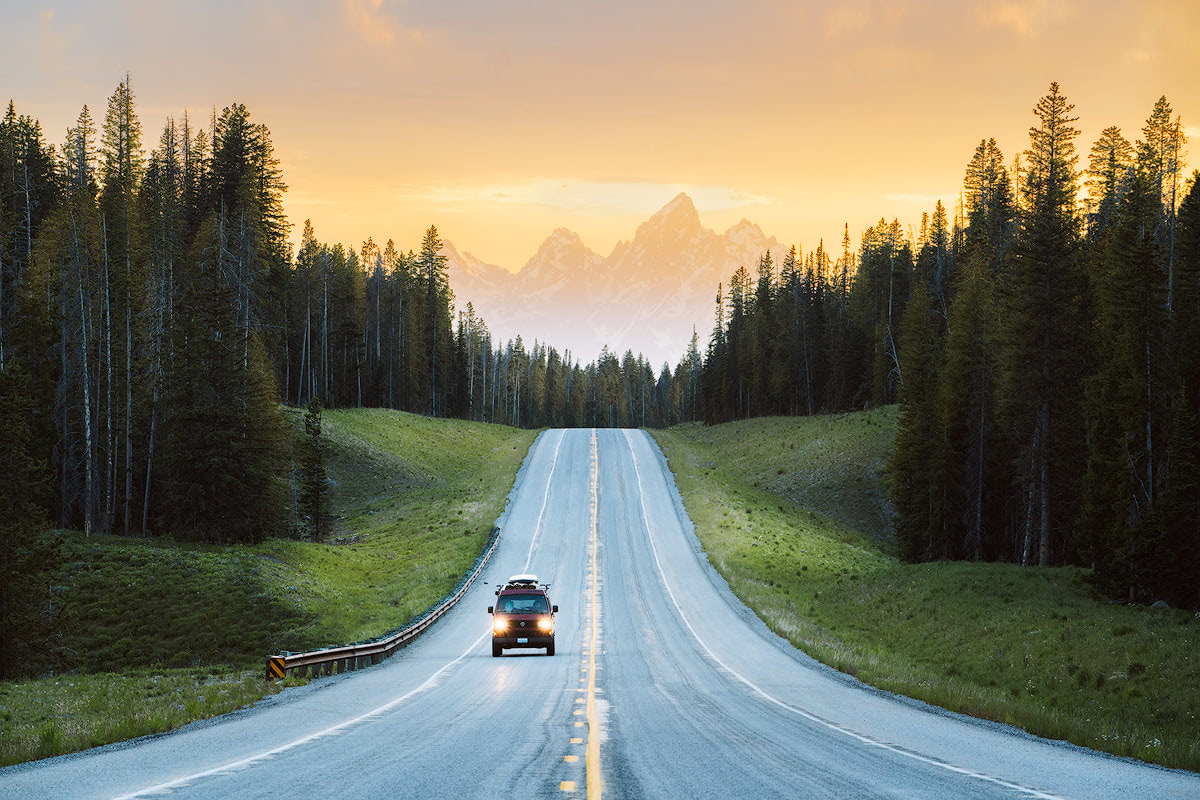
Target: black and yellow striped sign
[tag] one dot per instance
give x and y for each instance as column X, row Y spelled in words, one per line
column 275, row 667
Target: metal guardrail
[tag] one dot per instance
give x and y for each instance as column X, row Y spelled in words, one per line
column 343, row 658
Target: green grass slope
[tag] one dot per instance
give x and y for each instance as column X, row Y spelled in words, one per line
column 155, row 634
column 793, row 512
column 416, row 498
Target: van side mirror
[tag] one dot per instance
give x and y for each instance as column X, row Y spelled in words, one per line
column 489, row 609
column 554, row 609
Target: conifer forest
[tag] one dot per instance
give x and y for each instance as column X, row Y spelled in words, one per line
column 1041, row 335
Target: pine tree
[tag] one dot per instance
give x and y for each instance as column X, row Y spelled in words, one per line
column 1160, row 159
column 314, row 484
column 73, row 242
column 913, row 469
column 1108, row 164
column 974, row 481
column 988, row 201
column 435, row 322
column 1042, row 336
column 690, row 387
column 714, row 381
column 247, row 188
column 764, row 339
column 121, row 171
column 162, row 212
column 974, row 473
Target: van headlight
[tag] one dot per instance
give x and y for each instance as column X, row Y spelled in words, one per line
column 546, row 624
column 499, row 625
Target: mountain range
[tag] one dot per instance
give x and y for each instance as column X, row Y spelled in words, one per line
column 645, row 296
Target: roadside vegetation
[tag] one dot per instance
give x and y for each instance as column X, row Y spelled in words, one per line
column 153, row 634
column 794, row 514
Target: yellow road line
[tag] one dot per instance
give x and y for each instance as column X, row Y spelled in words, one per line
column 595, row 786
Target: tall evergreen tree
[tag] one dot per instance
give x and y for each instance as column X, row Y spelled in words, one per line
column 988, row 200
column 974, row 480
column 1108, row 163
column 1042, row 354
column 1160, row 159
column 314, row 497
column 975, row 477
column 914, row 468
column 438, row 310
column 121, row 172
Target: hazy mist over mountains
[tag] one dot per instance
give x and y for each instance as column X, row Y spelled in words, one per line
column 646, row 295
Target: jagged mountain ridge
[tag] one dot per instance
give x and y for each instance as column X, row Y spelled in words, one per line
column 646, row 296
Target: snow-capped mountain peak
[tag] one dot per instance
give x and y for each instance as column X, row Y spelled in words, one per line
column 646, row 296
column 678, row 216
column 561, row 245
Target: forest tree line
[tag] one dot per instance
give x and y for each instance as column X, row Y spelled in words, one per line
column 153, row 318
column 1044, row 349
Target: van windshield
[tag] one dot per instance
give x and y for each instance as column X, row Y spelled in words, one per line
column 523, row 604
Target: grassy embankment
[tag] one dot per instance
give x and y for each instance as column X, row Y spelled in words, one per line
column 157, row 634
column 793, row 513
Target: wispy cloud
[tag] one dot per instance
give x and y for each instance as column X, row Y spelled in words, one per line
column 1027, row 18
column 846, row 18
column 368, row 19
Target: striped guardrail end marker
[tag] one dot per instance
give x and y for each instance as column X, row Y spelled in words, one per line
column 275, row 667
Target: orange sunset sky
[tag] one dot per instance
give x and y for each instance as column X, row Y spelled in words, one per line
column 501, row 120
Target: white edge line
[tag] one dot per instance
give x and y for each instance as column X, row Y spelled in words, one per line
column 266, row 754
column 537, row 529
column 799, row 711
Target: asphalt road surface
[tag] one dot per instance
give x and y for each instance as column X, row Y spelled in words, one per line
column 664, row 686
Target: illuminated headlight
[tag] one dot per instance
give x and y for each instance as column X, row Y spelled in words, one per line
column 499, row 624
column 546, row 624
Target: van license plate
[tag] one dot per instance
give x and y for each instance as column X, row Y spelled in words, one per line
column 522, row 641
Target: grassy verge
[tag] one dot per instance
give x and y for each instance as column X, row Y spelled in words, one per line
column 155, row 634
column 50, row 716
column 417, row 498
column 793, row 513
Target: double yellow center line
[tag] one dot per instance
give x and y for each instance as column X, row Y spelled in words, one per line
column 595, row 786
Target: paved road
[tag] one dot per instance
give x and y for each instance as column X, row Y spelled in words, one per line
column 664, row 686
